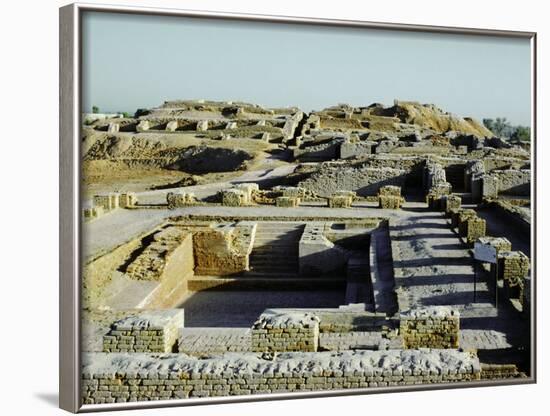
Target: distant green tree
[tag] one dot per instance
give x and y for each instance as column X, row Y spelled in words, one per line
column 522, row 134
column 499, row 126
column 125, row 114
column 95, row 109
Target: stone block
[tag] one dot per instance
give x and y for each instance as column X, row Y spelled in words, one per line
column 291, row 191
column 283, row 332
column 500, row 243
column 451, row 202
column 472, row 228
column 202, row 125
column 430, row 327
column 93, row 213
column 340, row 201
column 489, row 186
column 172, row 125
column 442, row 188
column 164, row 324
column 234, row 198
column 127, row 200
column 143, row 125
column 250, row 189
column 178, row 199
column 389, row 190
column 349, row 194
column 287, row 201
column 113, row 128
column 107, row 201
column 389, row 202
column 458, row 216
column 513, row 266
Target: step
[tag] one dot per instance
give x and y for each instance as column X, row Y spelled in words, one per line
column 273, row 268
column 283, row 237
column 279, row 255
column 264, row 282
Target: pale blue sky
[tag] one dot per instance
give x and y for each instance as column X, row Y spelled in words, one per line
column 133, row 61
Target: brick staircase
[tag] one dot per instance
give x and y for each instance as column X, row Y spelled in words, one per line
column 275, row 249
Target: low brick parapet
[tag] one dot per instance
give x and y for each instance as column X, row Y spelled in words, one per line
column 110, row 378
column 292, row 331
column 150, row 331
column 431, row 327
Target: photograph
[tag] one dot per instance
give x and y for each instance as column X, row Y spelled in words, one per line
column 273, row 208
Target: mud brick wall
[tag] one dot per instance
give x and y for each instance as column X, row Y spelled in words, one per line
column 249, row 188
column 490, row 186
column 110, row 378
column 128, row 199
column 365, row 181
column 389, row 201
column 234, row 198
column 169, row 254
column 433, row 174
column 450, row 202
column 93, row 213
column 108, row 201
column 389, row 191
column 223, row 250
column 345, row 319
column 293, row 191
column 500, row 243
column 499, row 371
column 433, row 327
column 179, row 199
column 472, row 228
column 461, row 215
column 287, row 201
column 283, row 332
column 151, row 331
column 513, row 182
column 513, row 268
column 340, row 201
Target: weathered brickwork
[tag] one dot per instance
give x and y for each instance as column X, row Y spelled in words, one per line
column 287, row 201
column 110, row 378
column 390, row 190
column 107, row 201
column 499, row 243
column 340, row 201
column 234, row 198
column 451, row 202
column 433, row 327
column 93, row 213
column 513, row 269
column 180, row 199
column 286, row 332
column 499, row 371
column 363, row 180
column 389, row 201
column 472, row 228
column 223, row 250
column 127, row 200
column 460, row 215
column 170, row 252
column 151, row 331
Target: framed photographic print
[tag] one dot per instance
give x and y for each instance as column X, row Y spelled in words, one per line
column 262, row 207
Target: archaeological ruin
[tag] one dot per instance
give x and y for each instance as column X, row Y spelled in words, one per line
column 231, row 249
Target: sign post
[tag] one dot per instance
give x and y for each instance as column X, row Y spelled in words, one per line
column 485, row 253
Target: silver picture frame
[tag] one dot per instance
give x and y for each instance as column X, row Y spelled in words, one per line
column 70, row 227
